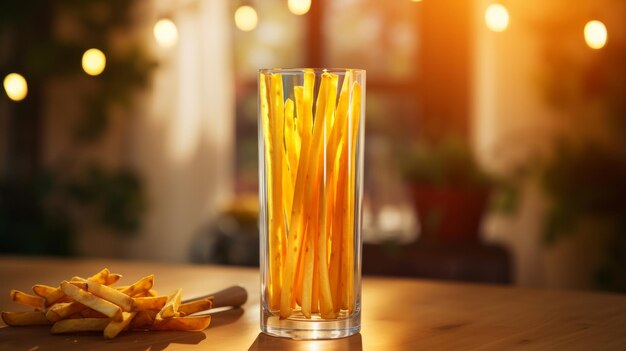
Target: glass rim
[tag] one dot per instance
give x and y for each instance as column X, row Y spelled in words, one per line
column 316, row 70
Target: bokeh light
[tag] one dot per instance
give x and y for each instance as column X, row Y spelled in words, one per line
column 165, row 33
column 15, row 86
column 299, row 7
column 595, row 34
column 246, row 18
column 94, row 62
column 497, row 17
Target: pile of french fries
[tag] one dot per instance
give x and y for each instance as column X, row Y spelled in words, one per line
column 310, row 161
column 95, row 304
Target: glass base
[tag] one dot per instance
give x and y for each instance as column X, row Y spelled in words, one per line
column 299, row 327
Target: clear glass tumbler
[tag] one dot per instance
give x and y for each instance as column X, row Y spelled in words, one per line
column 311, row 130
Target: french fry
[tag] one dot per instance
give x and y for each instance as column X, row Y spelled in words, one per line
column 63, row 310
column 143, row 320
column 171, row 307
column 25, row 318
column 79, row 325
column 194, row 323
column 196, row 306
column 25, row 299
column 110, row 294
column 154, row 303
column 42, row 290
column 115, row 327
column 90, row 300
column 140, row 287
column 113, row 278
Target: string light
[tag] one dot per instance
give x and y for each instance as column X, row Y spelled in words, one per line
column 299, row 7
column 94, row 62
column 497, row 17
column 15, row 86
column 165, row 33
column 595, row 34
column 246, row 18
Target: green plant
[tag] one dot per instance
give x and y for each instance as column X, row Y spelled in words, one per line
column 449, row 162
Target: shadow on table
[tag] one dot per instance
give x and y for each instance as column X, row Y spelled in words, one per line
column 40, row 339
column 265, row 342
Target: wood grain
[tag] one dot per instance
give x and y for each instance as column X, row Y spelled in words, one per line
column 398, row 314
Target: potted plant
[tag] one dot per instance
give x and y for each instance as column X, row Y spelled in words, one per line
column 449, row 190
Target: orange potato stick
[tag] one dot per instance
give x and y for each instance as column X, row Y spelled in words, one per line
column 303, row 190
column 353, row 130
column 340, row 214
column 290, row 141
column 42, row 290
column 325, row 295
column 25, row 299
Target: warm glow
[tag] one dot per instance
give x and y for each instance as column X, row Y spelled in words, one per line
column 595, row 34
column 497, row 17
column 15, row 86
column 246, row 18
column 165, row 33
column 299, row 7
column 94, row 62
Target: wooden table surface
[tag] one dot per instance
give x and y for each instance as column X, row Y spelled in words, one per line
column 398, row 314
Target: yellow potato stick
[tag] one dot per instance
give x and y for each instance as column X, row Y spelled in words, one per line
column 196, row 306
column 155, row 303
column 302, row 193
column 353, row 130
column 340, row 216
column 115, row 327
column 276, row 216
column 113, row 278
column 25, row 299
column 171, row 307
column 307, row 278
column 140, row 287
column 325, row 295
column 79, row 325
column 297, row 289
column 25, row 318
column 112, row 295
column 193, row 323
column 100, row 277
column 315, row 294
column 42, row 290
column 63, row 310
column 290, row 140
column 90, row 300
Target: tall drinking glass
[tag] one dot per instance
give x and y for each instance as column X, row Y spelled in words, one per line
column 311, row 130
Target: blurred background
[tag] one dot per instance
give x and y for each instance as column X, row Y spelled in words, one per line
column 495, row 134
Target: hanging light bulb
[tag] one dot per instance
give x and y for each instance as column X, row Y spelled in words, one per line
column 299, row 7
column 165, row 33
column 595, row 34
column 497, row 17
column 15, row 86
column 246, row 18
column 94, row 62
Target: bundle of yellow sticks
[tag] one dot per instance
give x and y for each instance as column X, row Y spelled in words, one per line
column 310, row 163
column 94, row 304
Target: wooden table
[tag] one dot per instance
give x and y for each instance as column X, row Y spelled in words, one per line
column 398, row 314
